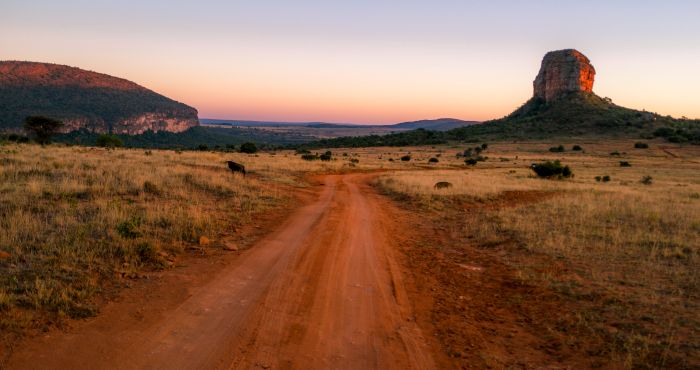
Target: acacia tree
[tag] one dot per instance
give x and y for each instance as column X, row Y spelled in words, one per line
column 42, row 128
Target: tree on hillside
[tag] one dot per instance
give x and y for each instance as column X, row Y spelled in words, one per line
column 42, row 128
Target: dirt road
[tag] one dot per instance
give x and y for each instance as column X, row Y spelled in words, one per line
column 323, row 291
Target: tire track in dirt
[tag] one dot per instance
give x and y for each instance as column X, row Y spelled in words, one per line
column 324, row 290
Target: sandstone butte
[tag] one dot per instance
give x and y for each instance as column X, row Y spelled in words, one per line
column 563, row 72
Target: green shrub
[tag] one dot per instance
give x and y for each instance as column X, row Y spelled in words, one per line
column 640, row 145
column 203, row 147
column 471, row 162
column 557, row 149
column 615, row 153
column 129, row 229
column 550, row 169
column 355, row 160
column 606, row 178
column 433, row 160
column 309, row 157
column 625, row 164
column 646, row 180
column 406, row 158
column 248, row 148
column 147, row 252
column 484, row 146
column 576, row 148
column 326, row 156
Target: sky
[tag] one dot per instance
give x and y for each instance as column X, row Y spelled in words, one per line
column 365, row 61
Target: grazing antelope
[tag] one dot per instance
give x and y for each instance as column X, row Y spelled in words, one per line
column 442, row 185
column 236, row 167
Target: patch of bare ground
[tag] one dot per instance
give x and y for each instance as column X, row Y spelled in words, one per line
column 497, row 302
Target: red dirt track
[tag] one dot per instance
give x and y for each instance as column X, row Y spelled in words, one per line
column 324, row 290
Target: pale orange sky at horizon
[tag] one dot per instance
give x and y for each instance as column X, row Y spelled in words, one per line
column 366, row 62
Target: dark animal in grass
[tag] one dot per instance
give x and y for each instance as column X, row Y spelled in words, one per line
column 442, row 185
column 236, row 167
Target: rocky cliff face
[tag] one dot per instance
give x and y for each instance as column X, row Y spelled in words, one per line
column 154, row 122
column 86, row 100
column 563, row 72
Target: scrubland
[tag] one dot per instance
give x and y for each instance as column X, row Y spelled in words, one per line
column 623, row 254
column 620, row 257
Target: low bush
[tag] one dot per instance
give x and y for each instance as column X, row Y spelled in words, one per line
column 248, row 148
column 309, row 157
column 625, row 164
column 640, row 145
column 326, row 156
column 576, row 148
column 433, row 160
column 471, row 162
column 406, row 158
column 646, row 180
column 557, row 149
column 550, row 169
column 129, row 229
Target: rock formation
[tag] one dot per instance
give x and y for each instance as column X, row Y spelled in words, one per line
column 86, row 100
column 563, row 72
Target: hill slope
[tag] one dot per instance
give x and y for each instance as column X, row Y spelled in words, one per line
column 563, row 105
column 85, row 100
column 579, row 114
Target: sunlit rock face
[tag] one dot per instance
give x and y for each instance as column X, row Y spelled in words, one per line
column 563, row 72
column 170, row 121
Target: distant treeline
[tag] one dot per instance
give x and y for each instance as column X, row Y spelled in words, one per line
column 194, row 138
column 577, row 115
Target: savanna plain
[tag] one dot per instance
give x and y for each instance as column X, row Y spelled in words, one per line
column 501, row 269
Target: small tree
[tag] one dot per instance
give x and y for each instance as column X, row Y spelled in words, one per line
column 249, row 148
column 42, row 128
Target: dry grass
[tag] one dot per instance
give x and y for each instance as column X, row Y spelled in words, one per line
column 633, row 249
column 74, row 218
